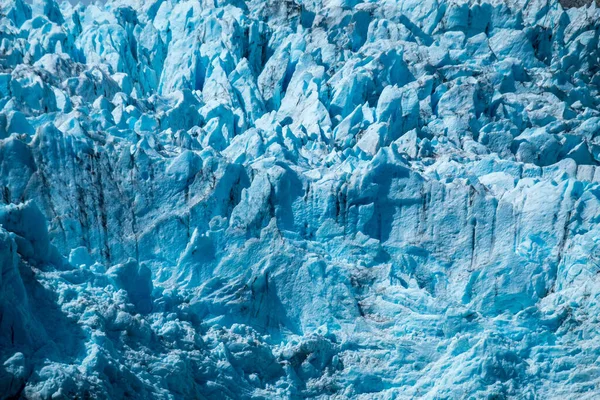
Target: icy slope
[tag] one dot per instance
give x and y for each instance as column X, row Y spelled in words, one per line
column 270, row 199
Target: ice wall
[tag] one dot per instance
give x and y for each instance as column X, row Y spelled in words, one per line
column 278, row 199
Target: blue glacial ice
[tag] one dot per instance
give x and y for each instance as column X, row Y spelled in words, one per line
column 261, row 199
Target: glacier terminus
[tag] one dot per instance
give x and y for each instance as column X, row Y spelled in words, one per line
column 299, row 199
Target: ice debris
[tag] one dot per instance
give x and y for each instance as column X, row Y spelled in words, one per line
column 296, row 199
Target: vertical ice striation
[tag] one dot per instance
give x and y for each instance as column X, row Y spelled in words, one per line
column 299, row 199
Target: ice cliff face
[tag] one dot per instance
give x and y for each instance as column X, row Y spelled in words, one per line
column 278, row 199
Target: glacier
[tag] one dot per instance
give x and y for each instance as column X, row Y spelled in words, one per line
column 262, row 199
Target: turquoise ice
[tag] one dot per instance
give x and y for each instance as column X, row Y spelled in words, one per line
column 265, row 199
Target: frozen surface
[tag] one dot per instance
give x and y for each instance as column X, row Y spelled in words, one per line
column 278, row 199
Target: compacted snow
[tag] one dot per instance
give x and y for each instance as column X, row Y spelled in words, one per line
column 266, row 199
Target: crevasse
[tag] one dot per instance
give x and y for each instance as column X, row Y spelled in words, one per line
column 299, row 199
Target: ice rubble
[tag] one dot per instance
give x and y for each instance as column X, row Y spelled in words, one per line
column 278, row 199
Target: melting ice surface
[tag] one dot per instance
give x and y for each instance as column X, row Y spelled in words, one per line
column 279, row 199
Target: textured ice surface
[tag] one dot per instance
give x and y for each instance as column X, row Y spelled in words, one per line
column 278, row 199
